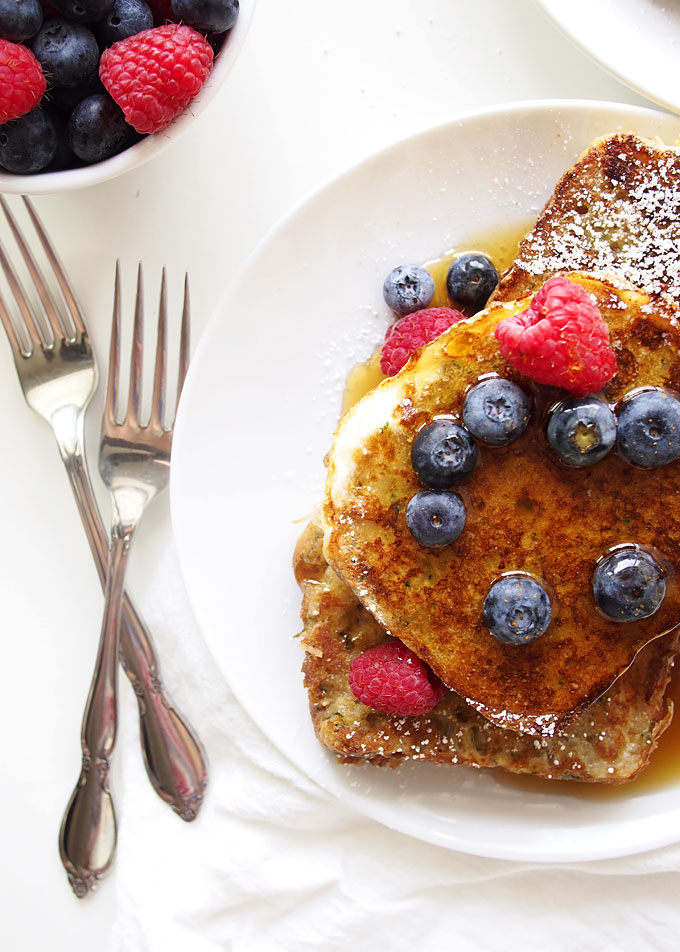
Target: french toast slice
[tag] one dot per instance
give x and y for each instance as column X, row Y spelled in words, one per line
column 616, row 211
column 525, row 512
column 610, row 742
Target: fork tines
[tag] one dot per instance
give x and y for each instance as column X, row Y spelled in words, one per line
column 112, row 407
column 25, row 331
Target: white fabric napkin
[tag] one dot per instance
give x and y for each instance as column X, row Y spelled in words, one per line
column 275, row 864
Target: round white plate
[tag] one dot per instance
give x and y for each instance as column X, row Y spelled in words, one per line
column 637, row 41
column 260, row 405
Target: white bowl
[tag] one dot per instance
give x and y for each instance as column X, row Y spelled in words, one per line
column 70, row 179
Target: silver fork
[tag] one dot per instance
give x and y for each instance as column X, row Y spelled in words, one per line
column 57, row 373
column 134, row 463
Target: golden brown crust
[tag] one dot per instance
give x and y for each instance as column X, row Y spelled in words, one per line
column 616, row 211
column 610, row 742
column 525, row 512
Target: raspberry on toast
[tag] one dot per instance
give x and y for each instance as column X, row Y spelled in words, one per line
column 610, row 742
column 526, row 512
column 616, row 212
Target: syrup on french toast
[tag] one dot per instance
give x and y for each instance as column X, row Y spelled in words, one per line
column 622, row 194
column 611, row 742
column 526, row 512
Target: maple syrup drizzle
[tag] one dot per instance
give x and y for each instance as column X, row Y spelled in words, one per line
column 663, row 770
column 501, row 247
column 361, row 379
column 664, row 766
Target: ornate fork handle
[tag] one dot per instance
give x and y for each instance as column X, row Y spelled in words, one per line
column 134, row 464
column 87, row 839
column 172, row 754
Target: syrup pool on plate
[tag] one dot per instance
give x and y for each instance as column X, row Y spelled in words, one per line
column 501, row 248
column 663, row 770
column 361, row 379
column 664, row 765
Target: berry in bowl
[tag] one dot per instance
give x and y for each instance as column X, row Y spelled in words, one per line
column 92, row 88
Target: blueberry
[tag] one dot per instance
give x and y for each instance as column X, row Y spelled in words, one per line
column 435, row 517
column 28, row 144
column 84, row 11
column 629, row 584
column 408, row 288
column 97, row 129
column 66, row 98
column 68, row 52
column 443, row 453
column 582, row 430
column 471, row 280
column 125, row 18
column 63, row 157
column 649, row 428
column 517, row 610
column 496, row 411
column 207, row 16
column 20, row 19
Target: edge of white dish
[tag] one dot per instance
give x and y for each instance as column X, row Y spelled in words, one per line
column 384, row 795
column 576, row 21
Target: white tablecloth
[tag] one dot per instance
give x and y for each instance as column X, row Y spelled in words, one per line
column 272, row 863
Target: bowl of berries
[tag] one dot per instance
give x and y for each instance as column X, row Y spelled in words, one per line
column 92, row 88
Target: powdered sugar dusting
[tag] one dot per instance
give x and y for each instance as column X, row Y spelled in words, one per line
column 543, row 724
column 618, row 212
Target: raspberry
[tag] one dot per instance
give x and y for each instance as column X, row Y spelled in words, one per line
column 561, row 339
column 391, row 678
column 21, row 81
column 414, row 331
column 155, row 74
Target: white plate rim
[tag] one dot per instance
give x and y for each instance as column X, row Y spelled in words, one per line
column 578, row 29
column 639, row 842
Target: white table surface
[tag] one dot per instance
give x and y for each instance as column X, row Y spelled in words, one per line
column 319, row 85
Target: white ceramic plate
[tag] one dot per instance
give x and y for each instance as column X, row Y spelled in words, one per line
column 261, row 402
column 638, row 41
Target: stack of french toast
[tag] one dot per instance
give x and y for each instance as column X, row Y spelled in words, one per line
column 588, row 699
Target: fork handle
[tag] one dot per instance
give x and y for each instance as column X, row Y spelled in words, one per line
column 87, row 838
column 173, row 757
